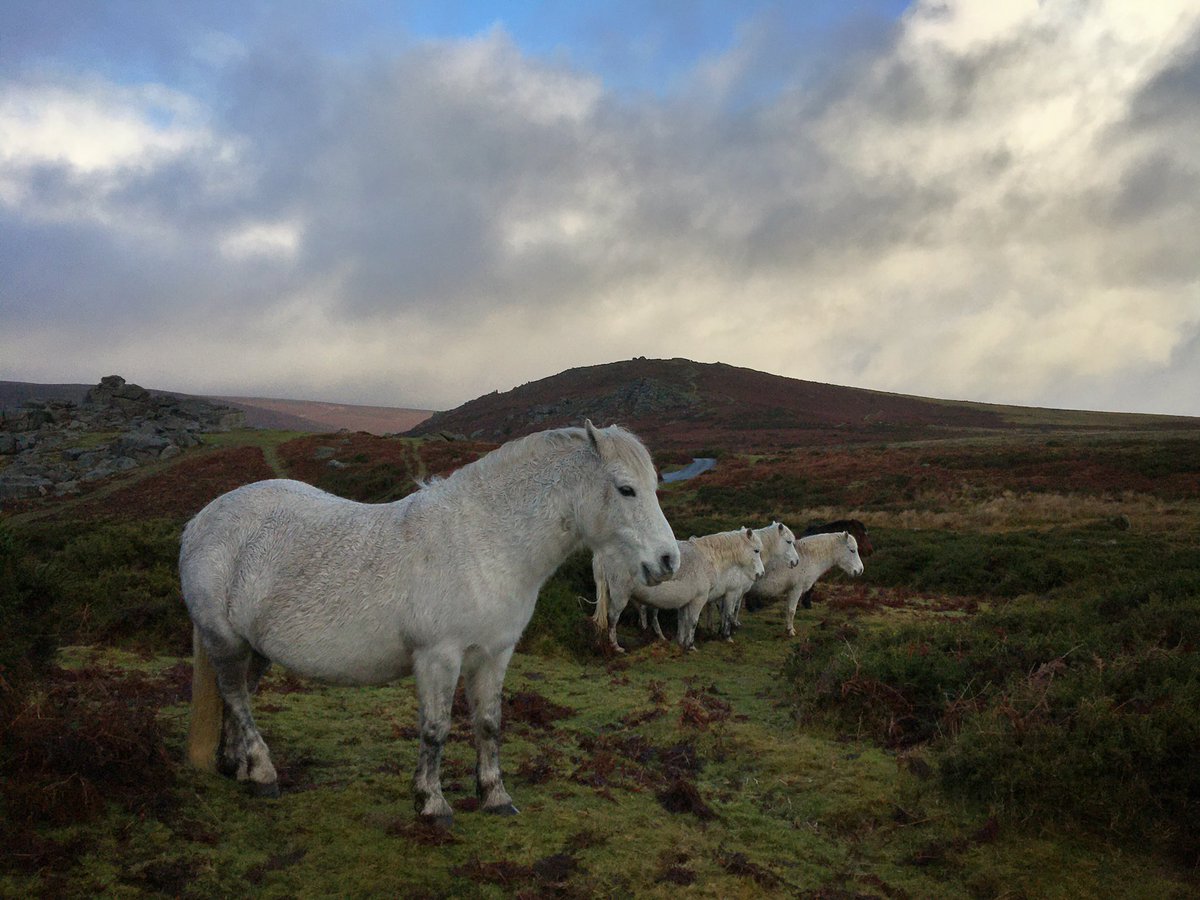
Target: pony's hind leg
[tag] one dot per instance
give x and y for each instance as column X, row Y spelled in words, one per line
column 436, row 672
column 229, row 751
column 244, row 753
column 654, row 620
column 484, row 677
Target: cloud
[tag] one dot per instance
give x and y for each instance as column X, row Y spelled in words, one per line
column 993, row 201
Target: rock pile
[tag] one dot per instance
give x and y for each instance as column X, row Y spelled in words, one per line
column 51, row 447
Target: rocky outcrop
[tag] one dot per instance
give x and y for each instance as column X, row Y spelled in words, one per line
column 52, row 447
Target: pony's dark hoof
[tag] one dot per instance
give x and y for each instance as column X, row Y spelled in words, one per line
column 505, row 809
column 268, row 791
column 445, row 823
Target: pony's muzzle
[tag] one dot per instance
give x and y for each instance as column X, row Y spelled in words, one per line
column 664, row 570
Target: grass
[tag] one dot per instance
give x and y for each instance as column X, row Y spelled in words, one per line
column 794, row 809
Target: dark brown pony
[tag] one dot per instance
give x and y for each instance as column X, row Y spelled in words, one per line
column 855, row 527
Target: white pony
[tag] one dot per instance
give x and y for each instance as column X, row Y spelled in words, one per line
column 818, row 554
column 710, row 567
column 442, row 581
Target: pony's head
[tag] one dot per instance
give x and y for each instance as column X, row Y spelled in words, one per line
column 865, row 547
column 780, row 542
column 846, row 554
column 751, row 553
column 620, row 516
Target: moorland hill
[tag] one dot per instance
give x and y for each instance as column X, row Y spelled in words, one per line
column 678, row 403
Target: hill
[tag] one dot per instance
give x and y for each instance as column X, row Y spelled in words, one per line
column 261, row 412
column 677, row 403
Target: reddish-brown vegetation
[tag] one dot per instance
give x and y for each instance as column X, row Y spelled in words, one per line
column 181, row 490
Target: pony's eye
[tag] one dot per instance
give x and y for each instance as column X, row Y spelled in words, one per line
column 627, row 491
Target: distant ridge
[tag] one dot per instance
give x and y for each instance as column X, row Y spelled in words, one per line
column 261, row 412
column 678, row 403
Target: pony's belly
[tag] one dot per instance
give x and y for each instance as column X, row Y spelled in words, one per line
column 342, row 659
column 773, row 584
column 668, row 595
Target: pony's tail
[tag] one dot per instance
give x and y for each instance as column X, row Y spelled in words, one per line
column 208, row 709
column 600, row 616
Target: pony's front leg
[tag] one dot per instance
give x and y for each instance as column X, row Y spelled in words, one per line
column 689, row 618
column 728, row 613
column 436, row 672
column 484, row 677
column 792, row 600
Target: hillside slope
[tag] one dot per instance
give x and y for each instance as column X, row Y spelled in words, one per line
column 316, row 416
column 683, row 404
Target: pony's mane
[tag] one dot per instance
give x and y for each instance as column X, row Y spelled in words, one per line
column 723, row 548
column 772, row 531
column 822, row 541
column 617, row 443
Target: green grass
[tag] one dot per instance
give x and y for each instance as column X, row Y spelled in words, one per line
column 800, row 808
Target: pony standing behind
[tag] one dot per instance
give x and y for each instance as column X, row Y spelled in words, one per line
column 716, row 566
column 441, row 582
column 818, row 554
column 855, row 527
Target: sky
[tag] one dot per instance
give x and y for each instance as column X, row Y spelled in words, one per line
column 416, row 203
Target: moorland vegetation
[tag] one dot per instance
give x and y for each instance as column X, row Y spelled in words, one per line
column 1007, row 703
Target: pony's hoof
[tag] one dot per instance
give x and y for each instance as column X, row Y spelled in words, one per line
column 617, row 648
column 268, row 790
column 504, row 809
column 445, row 822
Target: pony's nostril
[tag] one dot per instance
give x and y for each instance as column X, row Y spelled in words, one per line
column 668, row 564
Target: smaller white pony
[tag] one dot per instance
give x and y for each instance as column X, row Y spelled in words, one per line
column 716, row 566
column 818, row 554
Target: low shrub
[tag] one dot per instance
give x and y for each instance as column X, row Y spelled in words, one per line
column 1083, row 705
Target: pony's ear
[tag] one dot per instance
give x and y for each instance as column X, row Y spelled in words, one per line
column 780, row 526
column 593, row 435
column 747, row 532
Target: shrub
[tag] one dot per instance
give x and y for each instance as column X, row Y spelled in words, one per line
column 113, row 582
column 27, row 627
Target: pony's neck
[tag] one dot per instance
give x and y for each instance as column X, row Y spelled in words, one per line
column 772, row 542
column 535, row 499
column 820, row 552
